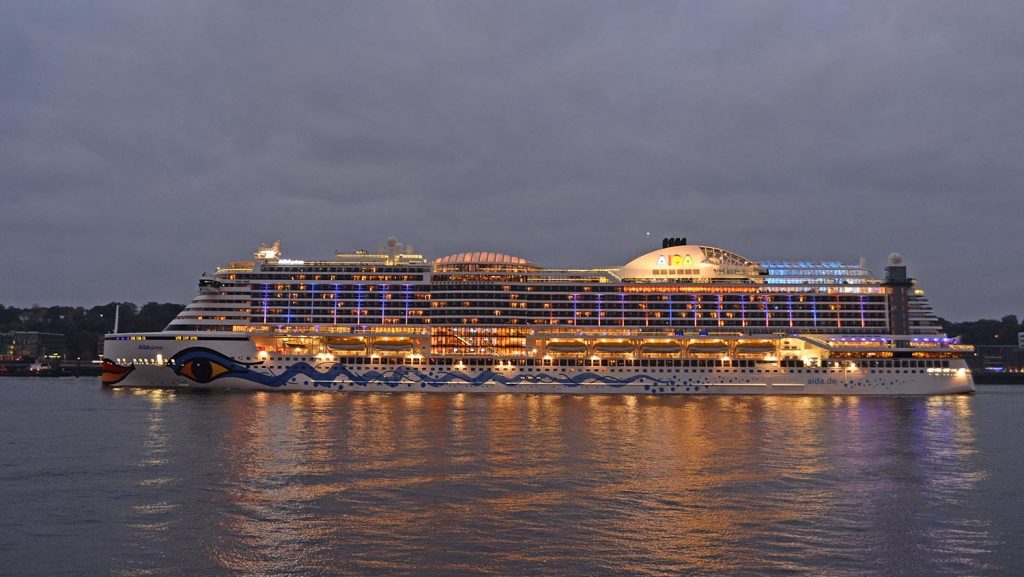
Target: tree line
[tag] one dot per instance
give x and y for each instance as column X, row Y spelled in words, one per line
column 84, row 327
column 1001, row 332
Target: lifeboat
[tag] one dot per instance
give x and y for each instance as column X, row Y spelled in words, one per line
column 755, row 348
column 393, row 345
column 566, row 346
column 294, row 344
column 613, row 347
column 347, row 344
column 707, row 347
column 661, row 347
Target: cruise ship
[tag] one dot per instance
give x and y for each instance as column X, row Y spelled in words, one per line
column 684, row 319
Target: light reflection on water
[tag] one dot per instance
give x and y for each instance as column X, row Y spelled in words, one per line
column 328, row 483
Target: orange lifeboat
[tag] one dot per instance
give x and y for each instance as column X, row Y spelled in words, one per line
column 395, row 345
column 755, row 347
column 566, row 346
column 347, row 344
column 661, row 347
column 707, row 347
column 613, row 347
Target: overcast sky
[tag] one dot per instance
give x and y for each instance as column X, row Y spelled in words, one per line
column 144, row 142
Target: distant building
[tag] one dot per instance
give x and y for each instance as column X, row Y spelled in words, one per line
column 997, row 359
column 1020, row 340
column 32, row 344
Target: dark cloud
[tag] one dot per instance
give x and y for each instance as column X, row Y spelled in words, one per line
column 142, row 143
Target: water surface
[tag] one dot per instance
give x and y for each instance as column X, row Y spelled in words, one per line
column 96, row 481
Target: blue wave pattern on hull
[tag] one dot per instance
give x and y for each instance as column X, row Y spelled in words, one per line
column 209, row 365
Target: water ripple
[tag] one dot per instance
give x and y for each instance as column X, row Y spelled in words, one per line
column 161, row 483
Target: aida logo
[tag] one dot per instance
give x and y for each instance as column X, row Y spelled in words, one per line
column 675, row 260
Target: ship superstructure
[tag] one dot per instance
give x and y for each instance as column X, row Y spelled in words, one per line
column 684, row 318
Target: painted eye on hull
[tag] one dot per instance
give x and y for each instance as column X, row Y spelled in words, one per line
column 203, row 365
column 203, row 370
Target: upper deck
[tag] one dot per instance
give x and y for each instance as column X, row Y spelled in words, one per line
column 677, row 288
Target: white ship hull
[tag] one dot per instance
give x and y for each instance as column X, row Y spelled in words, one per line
column 232, row 362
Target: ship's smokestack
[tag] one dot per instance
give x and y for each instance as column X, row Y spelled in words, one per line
column 898, row 285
